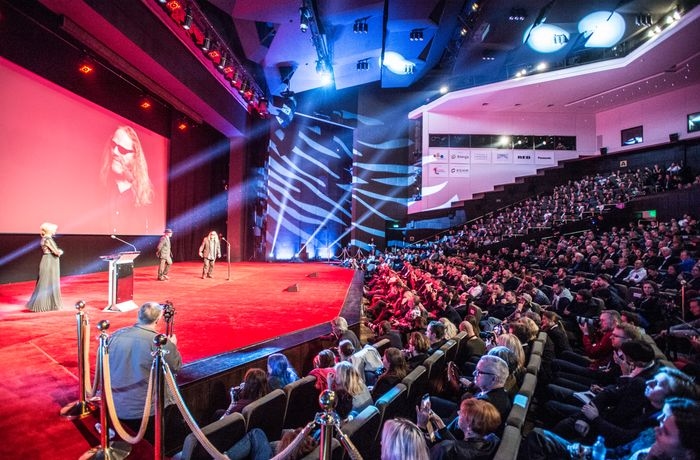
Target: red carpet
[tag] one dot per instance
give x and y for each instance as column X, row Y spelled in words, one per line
column 38, row 351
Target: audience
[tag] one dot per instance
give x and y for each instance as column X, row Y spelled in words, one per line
column 279, row 371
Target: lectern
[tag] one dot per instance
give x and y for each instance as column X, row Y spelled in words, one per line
column 121, row 281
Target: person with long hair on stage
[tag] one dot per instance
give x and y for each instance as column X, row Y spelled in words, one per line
column 209, row 251
column 47, row 292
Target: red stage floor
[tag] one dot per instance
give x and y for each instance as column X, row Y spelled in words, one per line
column 38, row 351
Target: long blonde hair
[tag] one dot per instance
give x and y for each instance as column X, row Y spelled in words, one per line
column 402, row 439
column 348, row 378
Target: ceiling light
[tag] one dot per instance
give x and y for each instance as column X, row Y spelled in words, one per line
column 396, row 63
column 444, row 89
column 416, row 35
column 603, row 28
column 541, row 38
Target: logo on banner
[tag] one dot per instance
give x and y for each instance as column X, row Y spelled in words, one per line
column 440, row 155
column 459, row 157
column 459, row 171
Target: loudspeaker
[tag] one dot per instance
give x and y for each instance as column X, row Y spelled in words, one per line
column 603, row 150
column 313, row 275
column 673, row 137
column 293, row 288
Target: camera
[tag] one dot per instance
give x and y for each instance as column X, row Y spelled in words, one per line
column 590, row 321
column 236, row 391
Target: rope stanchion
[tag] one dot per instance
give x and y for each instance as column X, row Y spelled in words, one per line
column 82, row 407
column 117, row 450
column 187, row 416
column 328, row 420
column 159, row 448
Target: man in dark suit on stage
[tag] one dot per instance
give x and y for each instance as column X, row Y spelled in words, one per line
column 209, row 251
column 164, row 253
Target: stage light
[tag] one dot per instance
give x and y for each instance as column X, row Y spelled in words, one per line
column 222, row 62
column 182, row 125
column 86, row 67
column 213, row 54
column 444, row 89
column 304, row 15
column 145, row 103
column 206, row 44
column 187, row 23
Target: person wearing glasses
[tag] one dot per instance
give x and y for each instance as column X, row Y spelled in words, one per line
column 125, row 173
column 488, row 384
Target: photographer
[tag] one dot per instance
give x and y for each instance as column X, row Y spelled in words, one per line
column 597, row 343
column 253, row 387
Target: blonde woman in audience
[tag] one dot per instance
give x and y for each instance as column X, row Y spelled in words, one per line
column 450, row 328
column 402, row 440
column 512, row 342
column 346, row 377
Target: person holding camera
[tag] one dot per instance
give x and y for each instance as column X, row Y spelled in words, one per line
column 130, row 362
column 253, row 387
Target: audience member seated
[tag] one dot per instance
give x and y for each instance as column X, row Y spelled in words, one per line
column 253, row 387
column 648, row 307
column 385, row 331
column 401, row 440
column 552, row 325
column 478, row 420
column 279, row 371
column 471, row 347
column 450, row 328
column 675, row 437
column 324, row 364
column 417, row 351
column 339, row 329
column 395, row 369
column 436, row 336
column 619, row 405
column 347, row 378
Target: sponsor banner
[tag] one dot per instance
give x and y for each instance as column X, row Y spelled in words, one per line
column 438, row 154
column 459, row 156
column 502, row 156
column 481, row 157
column 438, row 170
column 544, row 158
column 523, row 157
column 459, row 170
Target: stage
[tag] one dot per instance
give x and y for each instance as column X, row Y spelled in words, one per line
column 220, row 323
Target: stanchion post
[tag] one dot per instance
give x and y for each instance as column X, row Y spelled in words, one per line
column 158, row 451
column 82, row 407
column 327, row 420
column 104, row 451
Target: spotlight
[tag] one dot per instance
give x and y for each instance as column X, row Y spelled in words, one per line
column 86, row 66
column 362, row 64
column 187, row 23
column 360, row 26
column 222, row 62
column 182, row 125
column 206, row 44
column 145, row 103
column 304, row 17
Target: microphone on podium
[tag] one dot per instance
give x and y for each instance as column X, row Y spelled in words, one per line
column 114, row 237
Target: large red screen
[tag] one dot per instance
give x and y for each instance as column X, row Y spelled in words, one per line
column 68, row 161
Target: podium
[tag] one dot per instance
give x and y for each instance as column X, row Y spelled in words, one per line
column 121, row 281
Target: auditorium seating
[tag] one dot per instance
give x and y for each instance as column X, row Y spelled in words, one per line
column 267, row 413
column 416, row 383
column 302, row 402
column 223, row 434
column 435, row 364
column 392, row 404
column 365, row 432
